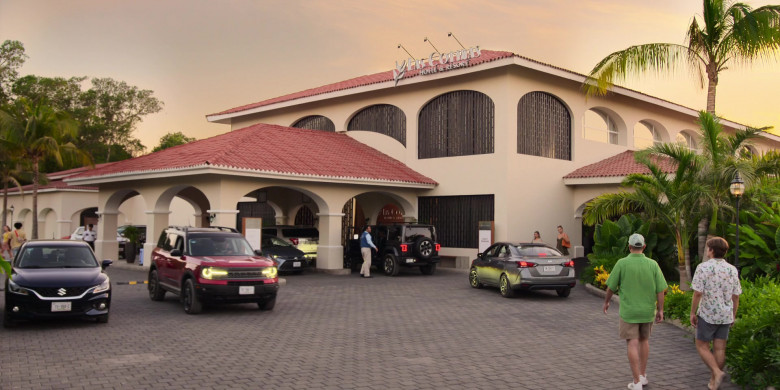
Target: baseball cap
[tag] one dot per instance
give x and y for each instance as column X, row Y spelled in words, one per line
column 636, row 240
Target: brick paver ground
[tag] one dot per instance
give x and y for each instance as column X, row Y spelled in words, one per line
column 346, row 332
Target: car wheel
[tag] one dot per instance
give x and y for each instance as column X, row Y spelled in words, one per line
column 505, row 287
column 156, row 293
column 390, row 265
column 102, row 319
column 267, row 304
column 190, row 299
column 423, row 247
column 563, row 292
column 474, row 279
column 428, row 269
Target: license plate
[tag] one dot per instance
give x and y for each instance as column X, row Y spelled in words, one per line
column 246, row 290
column 296, row 264
column 60, row 306
column 410, row 260
column 549, row 268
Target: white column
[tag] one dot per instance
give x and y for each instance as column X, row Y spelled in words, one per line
column 330, row 253
column 63, row 227
column 223, row 217
column 106, row 246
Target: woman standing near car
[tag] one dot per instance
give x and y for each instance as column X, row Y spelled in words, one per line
column 6, row 247
column 537, row 238
column 562, row 243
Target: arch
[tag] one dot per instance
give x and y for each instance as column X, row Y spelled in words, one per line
column 543, row 126
column 384, row 119
column 457, row 123
column 117, row 198
column 603, row 125
column 648, row 133
column 304, row 216
column 687, row 138
column 315, row 122
column 747, row 151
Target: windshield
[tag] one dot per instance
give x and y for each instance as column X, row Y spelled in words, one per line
column 275, row 241
column 537, row 251
column 56, row 257
column 220, row 246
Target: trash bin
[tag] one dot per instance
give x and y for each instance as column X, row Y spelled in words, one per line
column 141, row 257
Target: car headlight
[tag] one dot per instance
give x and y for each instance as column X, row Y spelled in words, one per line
column 16, row 289
column 213, row 273
column 105, row 286
column 270, row 272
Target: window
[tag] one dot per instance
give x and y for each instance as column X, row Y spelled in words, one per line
column 598, row 126
column 543, row 126
column 456, row 218
column 645, row 135
column 383, row 119
column 687, row 140
column 459, row 123
column 315, row 122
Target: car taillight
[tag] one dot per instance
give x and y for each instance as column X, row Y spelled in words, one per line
column 438, row 247
column 404, row 248
column 294, row 241
column 525, row 264
column 569, row 263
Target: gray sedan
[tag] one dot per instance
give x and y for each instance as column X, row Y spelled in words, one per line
column 523, row 266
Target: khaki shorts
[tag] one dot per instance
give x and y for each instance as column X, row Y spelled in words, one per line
column 630, row 331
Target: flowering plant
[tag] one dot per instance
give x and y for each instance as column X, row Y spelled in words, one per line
column 602, row 275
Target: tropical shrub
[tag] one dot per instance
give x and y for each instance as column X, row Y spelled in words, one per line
column 753, row 350
column 759, row 241
column 677, row 304
column 5, row 267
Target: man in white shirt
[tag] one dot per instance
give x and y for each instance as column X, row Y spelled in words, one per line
column 714, row 307
column 90, row 236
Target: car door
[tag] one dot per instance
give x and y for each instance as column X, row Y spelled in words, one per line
column 483, row 265
column 177, row 264
column 498, row 263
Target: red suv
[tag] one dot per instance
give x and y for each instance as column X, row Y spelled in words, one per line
column 211, row 265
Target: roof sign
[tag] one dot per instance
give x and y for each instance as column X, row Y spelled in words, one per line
column 437, row 62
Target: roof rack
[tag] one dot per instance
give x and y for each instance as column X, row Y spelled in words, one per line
column 188, row 228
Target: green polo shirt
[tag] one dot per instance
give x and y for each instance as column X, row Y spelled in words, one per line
column 638, row 280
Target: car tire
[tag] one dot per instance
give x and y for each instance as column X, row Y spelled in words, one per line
column 563, row 292
column 390, row 265
column 190, row 299
column 428, row 269
column 423, row 247
column 474, row 279
column 102, row 319
column 505, row 287
column 268, row 304
column 156, row 293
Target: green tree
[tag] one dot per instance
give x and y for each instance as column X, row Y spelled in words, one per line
column 172, row 139
column 729, row 33
column 671, row 199
column 12, row 57
column 34, row 131
column 10, row 172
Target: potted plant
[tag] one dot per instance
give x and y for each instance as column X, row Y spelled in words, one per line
column 133, row 236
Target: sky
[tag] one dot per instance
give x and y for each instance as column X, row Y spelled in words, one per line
column 205, row 56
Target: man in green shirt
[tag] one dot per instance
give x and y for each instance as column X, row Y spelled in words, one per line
column 641, row 285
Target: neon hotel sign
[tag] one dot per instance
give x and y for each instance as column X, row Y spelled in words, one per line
column 437, row 62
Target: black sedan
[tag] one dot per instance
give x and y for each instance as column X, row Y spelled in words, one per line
column 284, row 253
column 523, row 266
column 56, row 279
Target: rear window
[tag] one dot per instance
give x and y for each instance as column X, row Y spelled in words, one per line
column 301, row 232
column 538, row 251
column 56, row 257
column 412, row 233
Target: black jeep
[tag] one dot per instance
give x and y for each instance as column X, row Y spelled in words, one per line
column 399, row 245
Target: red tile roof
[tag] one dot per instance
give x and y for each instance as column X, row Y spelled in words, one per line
column 485, row 56
column 619, row 165
column 275, row 149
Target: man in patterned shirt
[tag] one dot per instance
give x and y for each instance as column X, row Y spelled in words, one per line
column 714, row 306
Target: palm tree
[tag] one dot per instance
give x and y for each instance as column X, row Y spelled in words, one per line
column 34, row 131
column 671, row 199
column 731, row 32
column 10, row 171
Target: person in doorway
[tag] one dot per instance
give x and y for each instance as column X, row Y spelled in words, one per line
column 90, row 236
column 716, row 291
column 366, row 246
column 563, row 244
column 18, row 237
column 6, row 245
column 641, row 286
column 537, row 238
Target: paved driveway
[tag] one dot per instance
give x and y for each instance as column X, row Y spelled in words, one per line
column 346, row 332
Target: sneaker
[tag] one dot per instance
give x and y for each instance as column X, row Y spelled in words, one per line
column 635, row 386
column 643, row 380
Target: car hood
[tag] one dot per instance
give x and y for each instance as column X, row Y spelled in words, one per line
column 236, row 261
column 283, row 251
column 58, row 277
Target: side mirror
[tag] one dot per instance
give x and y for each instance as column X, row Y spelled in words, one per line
column 176, row 252
column 106, row 263
column 480, row 255
column 259, row 252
